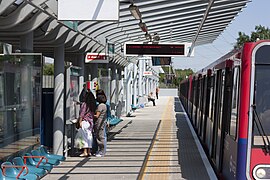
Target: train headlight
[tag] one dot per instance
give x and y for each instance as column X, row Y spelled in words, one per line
column 261, row 172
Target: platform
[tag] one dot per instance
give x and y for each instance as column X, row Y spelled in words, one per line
column 156, row 143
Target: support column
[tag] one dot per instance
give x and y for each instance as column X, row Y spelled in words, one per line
column 147, row 86
column 58, row 116
column 113, row 89
column 135, row 84
column 26, row 42
column 144, row 78
column 140, row 83
column 93, row 74
column 120, row 92
column 80, row 63
column 128, row 80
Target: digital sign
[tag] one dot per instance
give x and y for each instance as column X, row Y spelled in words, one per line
column 136, row 49
column 161, row 61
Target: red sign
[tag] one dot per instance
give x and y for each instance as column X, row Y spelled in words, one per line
column 96, row 58
column 147, row 73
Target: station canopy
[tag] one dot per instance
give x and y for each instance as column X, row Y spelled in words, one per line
column 193, row 21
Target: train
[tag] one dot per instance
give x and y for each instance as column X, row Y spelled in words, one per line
column 228, row 104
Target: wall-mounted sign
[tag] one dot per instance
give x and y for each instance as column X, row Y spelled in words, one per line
column 161, row 61
column 161, row 49
column 96, row 58
column 147, row 73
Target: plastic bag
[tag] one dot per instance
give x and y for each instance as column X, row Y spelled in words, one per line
column 78, row 141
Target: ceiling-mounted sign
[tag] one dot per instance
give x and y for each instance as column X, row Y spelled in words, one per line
column 86, row 10
column 96, row 58
column 161, row 49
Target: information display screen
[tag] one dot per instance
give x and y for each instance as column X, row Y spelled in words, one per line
column 154, row 49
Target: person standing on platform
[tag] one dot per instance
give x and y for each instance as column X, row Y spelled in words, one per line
column 100, row 122
column 86, row 120
column 157, row 91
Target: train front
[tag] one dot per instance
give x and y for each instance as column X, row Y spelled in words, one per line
column 258, row 128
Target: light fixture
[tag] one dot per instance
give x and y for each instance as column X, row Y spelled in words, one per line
column 134, row 10
column 148, row 36
column 143, row 27
column 156, row 38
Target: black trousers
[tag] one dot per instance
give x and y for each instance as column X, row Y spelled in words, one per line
column 153, row 100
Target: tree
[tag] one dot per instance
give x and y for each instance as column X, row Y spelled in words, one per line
column 260, row 33
column 48, row 69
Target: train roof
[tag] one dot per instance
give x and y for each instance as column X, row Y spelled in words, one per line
column 233, row 55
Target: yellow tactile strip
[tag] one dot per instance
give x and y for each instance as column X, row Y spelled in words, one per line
column 163, row 158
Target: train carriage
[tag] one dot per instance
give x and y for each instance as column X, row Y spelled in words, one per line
column 228, row 103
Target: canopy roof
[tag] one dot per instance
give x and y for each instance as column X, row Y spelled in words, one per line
column 196, row 21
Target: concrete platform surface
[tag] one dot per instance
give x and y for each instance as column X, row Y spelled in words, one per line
column 156, row 143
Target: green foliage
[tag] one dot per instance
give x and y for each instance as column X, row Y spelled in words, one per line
column 260, row 33
column 48, row 69
column 180, row 74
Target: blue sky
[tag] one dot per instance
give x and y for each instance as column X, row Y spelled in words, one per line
column 256, row 13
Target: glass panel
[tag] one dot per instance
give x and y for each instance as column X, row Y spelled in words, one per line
column 235, row 104
column 262, row 55
column 211, row 97
column 262, row 100
column 20, row 98
column 221, row 98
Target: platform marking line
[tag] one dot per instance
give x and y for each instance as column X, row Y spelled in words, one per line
column 162, row 156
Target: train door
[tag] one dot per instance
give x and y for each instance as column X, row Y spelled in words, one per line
column 217, row 116
column 198, row 105
column 202, row 106
column 206, row 105
column 192, row 99
column 225, row 113
column 230, row 144
column 195, row 99
column 190, row 96
column 210, row 121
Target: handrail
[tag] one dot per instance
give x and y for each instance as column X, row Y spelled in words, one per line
column 15, row 166
column 41, row 158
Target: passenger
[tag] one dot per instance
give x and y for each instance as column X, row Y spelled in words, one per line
column 151, row 98
column 100, row 123
column 87, row 111
column 157, row 91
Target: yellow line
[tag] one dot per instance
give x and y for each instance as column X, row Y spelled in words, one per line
column 162, row 156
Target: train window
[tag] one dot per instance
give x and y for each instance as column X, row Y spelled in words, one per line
column 262, row 55
column 211, row 97
column 235, row 103
column 215, row 80
column 262, row 101
column 222, row 80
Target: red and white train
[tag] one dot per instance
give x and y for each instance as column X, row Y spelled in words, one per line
column 228, row 103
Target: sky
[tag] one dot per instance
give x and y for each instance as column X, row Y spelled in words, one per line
column 255, row 13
